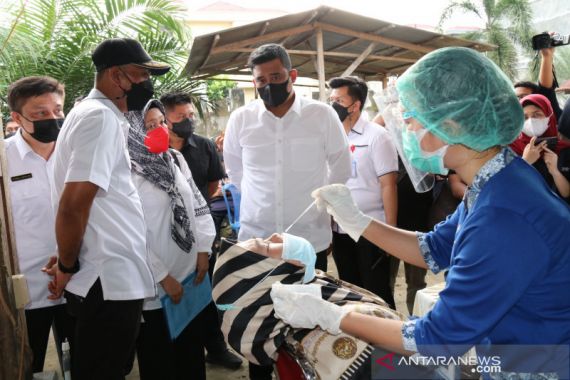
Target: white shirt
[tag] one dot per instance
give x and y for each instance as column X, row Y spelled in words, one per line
column 166, row 257
column 30, row 178
column 91, row 148
column 278, row 162
column 373, row 154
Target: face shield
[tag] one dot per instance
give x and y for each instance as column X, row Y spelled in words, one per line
column 398, row 128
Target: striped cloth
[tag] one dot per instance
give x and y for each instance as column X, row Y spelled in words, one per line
column 243, row 279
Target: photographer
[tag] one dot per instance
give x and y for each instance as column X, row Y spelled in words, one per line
column 546, row 82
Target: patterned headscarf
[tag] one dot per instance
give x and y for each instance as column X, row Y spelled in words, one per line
column 159, row 170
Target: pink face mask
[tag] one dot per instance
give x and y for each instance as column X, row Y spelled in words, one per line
column 156, row 140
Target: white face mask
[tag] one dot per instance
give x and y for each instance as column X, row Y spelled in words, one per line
column 535, row 127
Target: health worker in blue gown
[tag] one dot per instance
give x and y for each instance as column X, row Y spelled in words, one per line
column 506, row 247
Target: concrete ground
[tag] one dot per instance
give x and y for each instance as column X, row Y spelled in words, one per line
column 219, row 373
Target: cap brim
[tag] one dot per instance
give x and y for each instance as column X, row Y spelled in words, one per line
column 155, row 68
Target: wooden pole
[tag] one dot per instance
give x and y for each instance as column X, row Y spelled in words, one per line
column 350, row 69
column 15, row 353
column 321, row 65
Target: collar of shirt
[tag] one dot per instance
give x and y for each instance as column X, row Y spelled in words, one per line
column 295, row 107
column 358, row 128
column 491, row 167
column 98, row 95
column 22, row 145
column 191, row 141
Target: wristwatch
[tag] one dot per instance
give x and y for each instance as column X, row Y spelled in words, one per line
column 64, row 269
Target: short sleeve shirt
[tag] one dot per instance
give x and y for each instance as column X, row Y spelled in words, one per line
column 373, row 155
column 91, row 148
column 29, row 181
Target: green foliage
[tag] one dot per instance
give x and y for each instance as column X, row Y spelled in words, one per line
column 218, row 89
column 562, row 63
column 56, row 38
column 507, row 25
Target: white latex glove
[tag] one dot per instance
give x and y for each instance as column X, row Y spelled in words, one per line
column 306, row 310
column 338, row 202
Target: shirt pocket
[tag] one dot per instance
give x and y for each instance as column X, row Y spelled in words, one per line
column 307, row 154
column 26, row 189
column 27, row 196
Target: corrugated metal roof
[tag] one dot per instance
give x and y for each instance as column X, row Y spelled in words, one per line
column 345, row 36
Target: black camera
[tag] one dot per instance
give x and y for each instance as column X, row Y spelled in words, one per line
column 545, row 40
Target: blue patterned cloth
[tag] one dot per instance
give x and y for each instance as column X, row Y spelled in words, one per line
column 408, row 337
column 507, row 248
column 452, row 227
column 491, row 167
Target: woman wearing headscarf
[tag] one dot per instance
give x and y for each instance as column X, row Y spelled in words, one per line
column 507, row 246
column 180, row 232
column 540, row 122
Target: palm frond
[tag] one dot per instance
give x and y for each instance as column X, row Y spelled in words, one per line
column 518, row 15
column 57, row 37
column 505, row 56
column 489, row 7
column 562, row 64
column 466, row 6
column 175, row 82
column 508, row 26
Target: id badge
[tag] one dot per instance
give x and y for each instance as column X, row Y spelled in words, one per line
column 353, row 171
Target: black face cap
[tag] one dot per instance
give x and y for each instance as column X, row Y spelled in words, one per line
column 125, row 51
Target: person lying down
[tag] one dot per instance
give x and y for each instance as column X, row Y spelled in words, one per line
column 242, row 281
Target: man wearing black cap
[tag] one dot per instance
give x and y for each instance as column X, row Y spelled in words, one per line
column 100, row 231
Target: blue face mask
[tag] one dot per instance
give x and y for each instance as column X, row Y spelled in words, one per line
column 297, row 248
column 430, row 162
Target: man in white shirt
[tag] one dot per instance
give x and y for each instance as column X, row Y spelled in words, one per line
column 280, row 148
column 372, row 184
column 36, row 104
column 277, row 150
column 100, row 228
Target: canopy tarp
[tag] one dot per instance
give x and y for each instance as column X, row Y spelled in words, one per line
column 323, row 43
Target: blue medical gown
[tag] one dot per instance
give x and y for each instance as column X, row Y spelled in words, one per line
column 509, row 266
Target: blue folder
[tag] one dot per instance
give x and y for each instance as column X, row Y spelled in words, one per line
column 194, row 300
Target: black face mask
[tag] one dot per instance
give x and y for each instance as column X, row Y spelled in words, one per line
column 139, row 95
column 274, row 94
column 184, row 129
column 46, row 130
column 341, row 111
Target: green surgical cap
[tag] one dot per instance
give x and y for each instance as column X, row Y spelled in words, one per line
column 462, row 97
